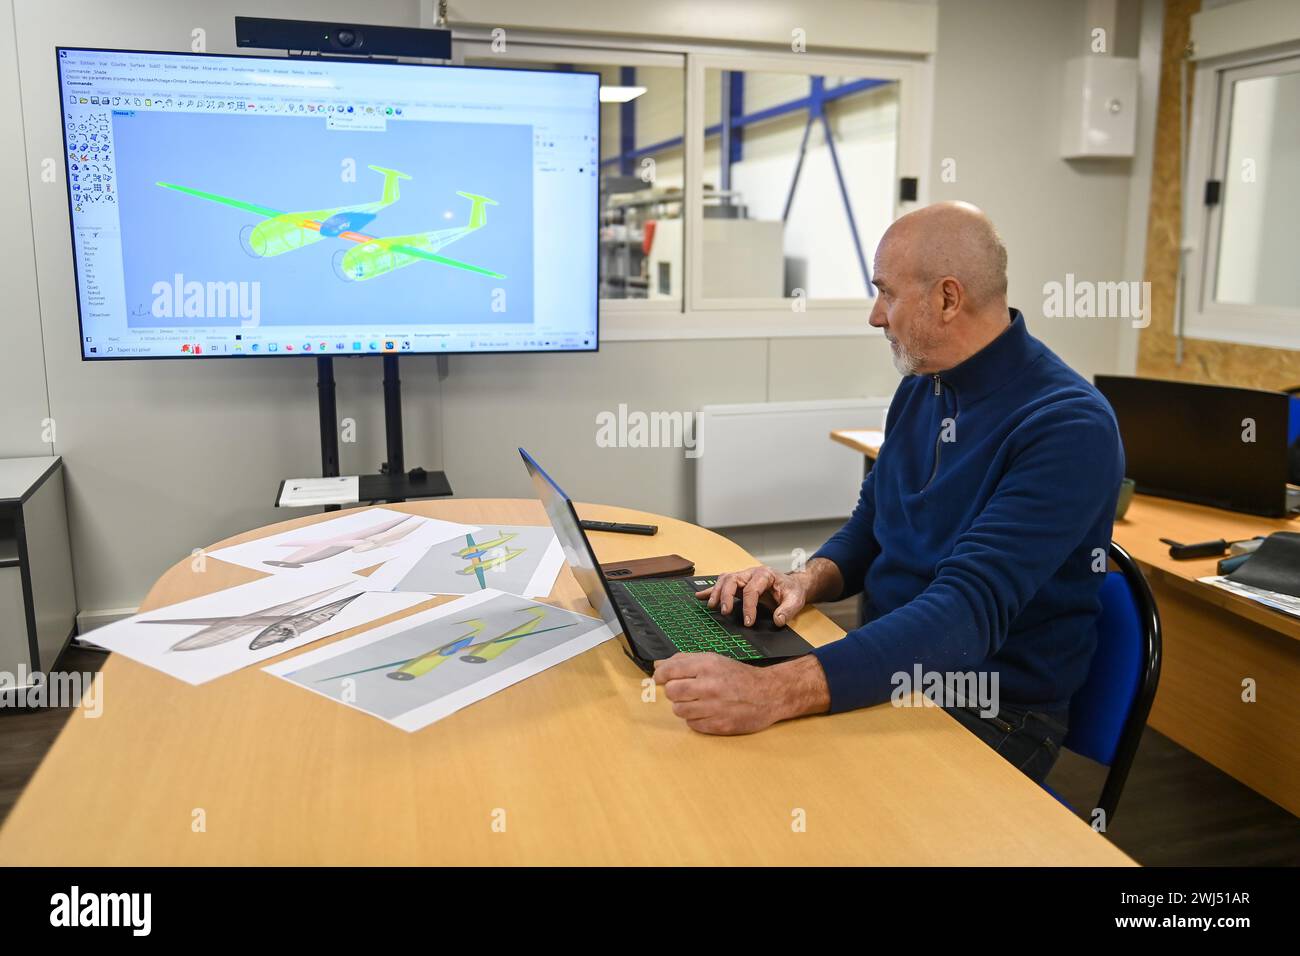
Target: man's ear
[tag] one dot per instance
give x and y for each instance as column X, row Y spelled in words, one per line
column 951, row 297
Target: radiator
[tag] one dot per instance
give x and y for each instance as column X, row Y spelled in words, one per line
column 775, row 462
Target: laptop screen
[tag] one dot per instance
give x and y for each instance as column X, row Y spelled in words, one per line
column 577, row 550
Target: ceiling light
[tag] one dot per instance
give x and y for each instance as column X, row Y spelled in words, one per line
column 620, row 94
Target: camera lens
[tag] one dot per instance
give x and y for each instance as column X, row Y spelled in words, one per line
column 345, row 37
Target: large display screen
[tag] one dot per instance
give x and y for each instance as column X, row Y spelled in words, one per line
column 227, row 206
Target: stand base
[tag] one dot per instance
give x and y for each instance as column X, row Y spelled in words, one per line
column 392, row 489
column 402, row 487
column 394, row 483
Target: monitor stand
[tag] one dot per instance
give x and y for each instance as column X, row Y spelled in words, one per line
column 393, row 483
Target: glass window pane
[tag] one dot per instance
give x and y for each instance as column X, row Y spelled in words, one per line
column 777, row 222
column 639, row 162
column 1259, row 241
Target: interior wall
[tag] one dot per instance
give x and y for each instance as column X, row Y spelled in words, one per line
column 165, row 457
column 1220, row 363
column 998, row 94
column 24, row 409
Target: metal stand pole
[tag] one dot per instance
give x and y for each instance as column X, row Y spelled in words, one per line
column 329, row 417
column 396, row 464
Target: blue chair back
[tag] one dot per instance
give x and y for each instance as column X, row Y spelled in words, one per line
column 1293, row 421
column 1108, row 714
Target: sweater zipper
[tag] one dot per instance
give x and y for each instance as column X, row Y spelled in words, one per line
column 938, row 439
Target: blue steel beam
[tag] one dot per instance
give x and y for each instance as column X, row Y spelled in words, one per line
column 848, row 206
column 731, row 125
column 817, row 111
column 728, row 131
column 627, row 124
column 798, row 168
column 733, row 136
column 736, row 107
column 749, row 119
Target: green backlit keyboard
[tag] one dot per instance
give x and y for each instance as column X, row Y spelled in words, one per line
column 686, row 621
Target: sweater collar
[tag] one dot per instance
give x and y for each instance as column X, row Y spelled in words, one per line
column 994, row 365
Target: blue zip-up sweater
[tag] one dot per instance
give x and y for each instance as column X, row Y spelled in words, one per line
column 979, row 532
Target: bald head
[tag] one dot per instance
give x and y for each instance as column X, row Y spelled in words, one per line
column 951, row 239
column 942, row 276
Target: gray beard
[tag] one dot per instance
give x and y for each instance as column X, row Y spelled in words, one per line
column 905, row 363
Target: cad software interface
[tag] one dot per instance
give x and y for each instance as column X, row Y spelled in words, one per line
column 259, row 206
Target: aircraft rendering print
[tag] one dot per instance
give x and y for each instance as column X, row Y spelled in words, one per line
column 358, row 542
column 476, row 652
column 273, row 625
column 371, row 256
column 487, row 555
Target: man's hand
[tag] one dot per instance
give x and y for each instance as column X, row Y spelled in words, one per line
column 785, row 592
column 716, row 695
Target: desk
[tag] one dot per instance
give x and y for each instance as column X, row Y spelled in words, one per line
column 866, row 442
column 586, row 770
column 38, row 607
column 1212, row 641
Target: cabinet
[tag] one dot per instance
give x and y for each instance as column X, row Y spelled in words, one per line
column 38, row 605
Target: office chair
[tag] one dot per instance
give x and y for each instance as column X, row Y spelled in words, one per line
column 1110, row 710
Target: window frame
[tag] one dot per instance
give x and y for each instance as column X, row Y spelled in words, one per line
column 697, row 317
column 1208, row 144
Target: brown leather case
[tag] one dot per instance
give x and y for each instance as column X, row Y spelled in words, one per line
column 662, row 566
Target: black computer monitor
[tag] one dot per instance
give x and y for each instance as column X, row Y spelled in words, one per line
column 1208, row 444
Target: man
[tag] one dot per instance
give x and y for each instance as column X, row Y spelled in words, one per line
column 980, row 536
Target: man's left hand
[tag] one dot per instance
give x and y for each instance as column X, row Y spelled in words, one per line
column 717, row 695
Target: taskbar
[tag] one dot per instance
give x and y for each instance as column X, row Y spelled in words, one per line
column 288, row 341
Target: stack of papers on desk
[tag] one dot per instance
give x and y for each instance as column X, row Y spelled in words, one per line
column 517, row 559
column 419, row 669
column 207, row 637
column 355, row 540
column 1285, row 603
column 312, row 492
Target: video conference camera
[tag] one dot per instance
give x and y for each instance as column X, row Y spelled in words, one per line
column 348, row 39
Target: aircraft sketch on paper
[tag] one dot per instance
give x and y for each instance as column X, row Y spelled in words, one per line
column 487, row 555
column 272, row 625
column 377, row 536
column 476, row 652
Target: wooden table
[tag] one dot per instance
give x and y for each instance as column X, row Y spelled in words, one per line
column 1213, row 640
column 582, row 767
column 864, row 441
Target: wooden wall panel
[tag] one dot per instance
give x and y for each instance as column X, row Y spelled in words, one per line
column 1219, row 363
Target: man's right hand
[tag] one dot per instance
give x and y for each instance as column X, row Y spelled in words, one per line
column 786, row 593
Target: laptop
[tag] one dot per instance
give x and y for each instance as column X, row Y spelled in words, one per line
column 659, row 617
column 1189, row 441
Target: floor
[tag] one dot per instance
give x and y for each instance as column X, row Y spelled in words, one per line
column 25, row 735
column 1177, row 810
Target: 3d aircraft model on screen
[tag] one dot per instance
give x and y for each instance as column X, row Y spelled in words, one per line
column 376, row 536
column 273, row 625
column 371, row 256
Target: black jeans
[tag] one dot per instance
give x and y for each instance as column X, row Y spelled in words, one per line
column 1028, row 740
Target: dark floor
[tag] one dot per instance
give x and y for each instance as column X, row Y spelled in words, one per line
column 25, row 735
column 1176, row 808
